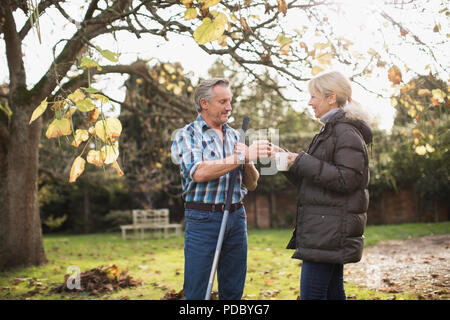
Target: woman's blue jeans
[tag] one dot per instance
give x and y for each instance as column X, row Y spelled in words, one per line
column 322, row 281
column 201, row 234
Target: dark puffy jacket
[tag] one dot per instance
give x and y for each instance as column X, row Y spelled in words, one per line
column 332, row 180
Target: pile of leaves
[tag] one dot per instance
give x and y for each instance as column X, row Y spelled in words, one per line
column 173, row 295
column 98, row 280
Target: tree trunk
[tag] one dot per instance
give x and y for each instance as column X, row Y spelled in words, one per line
column 20, row 225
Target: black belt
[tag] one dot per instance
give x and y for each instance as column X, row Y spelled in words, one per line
column 218, row 207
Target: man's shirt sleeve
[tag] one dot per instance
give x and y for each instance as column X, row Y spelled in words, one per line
column 187, row 151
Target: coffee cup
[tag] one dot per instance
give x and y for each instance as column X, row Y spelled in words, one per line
column 281, row 161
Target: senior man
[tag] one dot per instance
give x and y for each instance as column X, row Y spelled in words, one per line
column 207, row 150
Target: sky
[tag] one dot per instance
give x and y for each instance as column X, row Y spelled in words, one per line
column 196, row 62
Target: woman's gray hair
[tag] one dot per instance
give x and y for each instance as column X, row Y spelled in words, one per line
column 204, row 90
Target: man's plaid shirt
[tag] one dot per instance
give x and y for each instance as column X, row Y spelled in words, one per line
column 198, row 142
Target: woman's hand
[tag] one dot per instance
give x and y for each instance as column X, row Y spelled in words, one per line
column 291, row 158
column 291, row 155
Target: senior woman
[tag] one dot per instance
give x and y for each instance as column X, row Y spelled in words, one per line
column 332, row 179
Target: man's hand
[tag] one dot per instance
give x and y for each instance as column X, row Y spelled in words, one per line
column 275, row 149
column 242, row 149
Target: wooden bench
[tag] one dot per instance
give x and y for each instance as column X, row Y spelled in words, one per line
column 153, row 220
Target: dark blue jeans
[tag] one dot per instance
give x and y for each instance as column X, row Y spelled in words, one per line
column 322, row 281
column 201, row 233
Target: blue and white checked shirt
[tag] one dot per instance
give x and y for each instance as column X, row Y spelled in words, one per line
column 197, row 142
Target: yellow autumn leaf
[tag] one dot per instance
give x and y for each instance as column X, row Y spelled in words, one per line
column 209, row 3
column 303, row 46
column 316, row 70
column 112, row 272
column 394, row 102
column 285, row 43
column 325, row 58
column 223, row 41
column 39, row 110
column 421, row 150
column 412, row 84
column 429, row 148
column 438, row 94
column 100, row 97
column 169, row 68
column 187, row 3
column 110, row 153
column 117, row 167
column 58, row 128
column 170, row 86
column 108, row 129
column 435, row 102
column 93, row 115
column 437, row 27
column 85, row 105
column 372, row 52
column 177, row 91
column 321, row 46
column 7, row 110
column 210, row 30
column 394, row 75
column 236, row 35
column 78, row 95
column 70, row 112
column 80, row 136
column 412, row 112
column 282, row 7
column 95, row 157
column 111, row 56
column 77, row 168
column 300, row 32
column 87, row 63
column 423, row 92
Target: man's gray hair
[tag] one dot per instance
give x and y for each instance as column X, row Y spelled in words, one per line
column 204, row 90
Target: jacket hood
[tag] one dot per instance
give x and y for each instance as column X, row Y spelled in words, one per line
column 364, row 129
column 360, row 118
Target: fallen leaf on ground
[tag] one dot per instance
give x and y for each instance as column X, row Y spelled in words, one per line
column 99, row 280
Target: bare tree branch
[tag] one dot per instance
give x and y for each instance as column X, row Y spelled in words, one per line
column 91, row 9
column 415, row 37
column 42, row 6
column 74, row 46
column 13, row 46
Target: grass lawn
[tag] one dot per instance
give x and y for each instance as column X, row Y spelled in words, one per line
column 271, row 274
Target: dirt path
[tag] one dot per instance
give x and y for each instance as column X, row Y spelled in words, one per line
column 420, row 266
